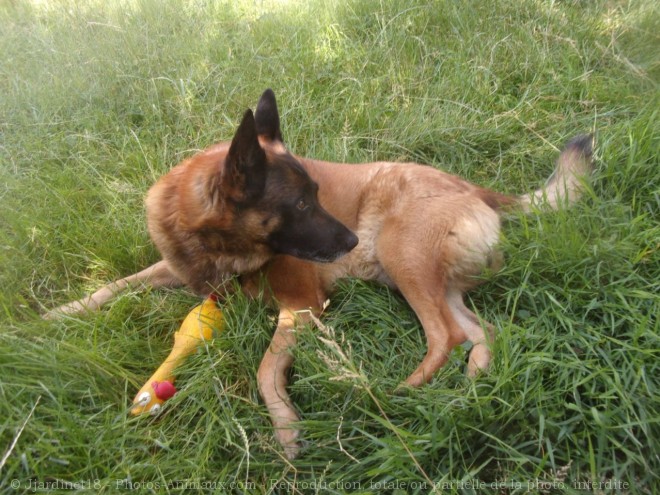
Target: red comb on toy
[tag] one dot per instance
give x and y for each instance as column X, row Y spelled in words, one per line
column 164, row 390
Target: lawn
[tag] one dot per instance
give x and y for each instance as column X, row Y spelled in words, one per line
column 98, row 99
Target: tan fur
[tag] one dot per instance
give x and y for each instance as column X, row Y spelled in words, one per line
column 178, row 209
column 422, row 231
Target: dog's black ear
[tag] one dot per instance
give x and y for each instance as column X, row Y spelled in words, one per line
column 244, row 174
column 268, row 118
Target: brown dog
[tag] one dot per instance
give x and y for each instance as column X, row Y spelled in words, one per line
column 250, row 208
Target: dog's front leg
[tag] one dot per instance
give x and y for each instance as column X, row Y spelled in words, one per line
column 272, row 381
column 156, row 276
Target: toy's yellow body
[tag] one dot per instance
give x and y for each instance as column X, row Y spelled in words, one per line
column 197, row 327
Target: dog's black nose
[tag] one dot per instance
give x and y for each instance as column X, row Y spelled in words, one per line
column 350, row 241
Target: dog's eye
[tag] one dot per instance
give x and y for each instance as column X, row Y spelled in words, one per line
column 302, row 206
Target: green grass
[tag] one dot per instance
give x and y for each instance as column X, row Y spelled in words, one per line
column 98, row 99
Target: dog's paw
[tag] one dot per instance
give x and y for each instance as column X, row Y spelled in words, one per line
column 288, row 439
column 71, row 308
column 84, row 305
column 478, row 360
column 403, row 389
column 286, row 433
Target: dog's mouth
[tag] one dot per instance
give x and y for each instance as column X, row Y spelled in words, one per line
column 320, row 258
column 324, row 255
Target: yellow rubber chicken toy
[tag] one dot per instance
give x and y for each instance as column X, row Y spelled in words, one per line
column 197, row 327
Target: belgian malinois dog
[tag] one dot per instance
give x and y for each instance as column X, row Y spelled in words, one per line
column 250, row 208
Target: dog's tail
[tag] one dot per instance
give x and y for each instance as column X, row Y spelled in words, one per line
column 565, row 185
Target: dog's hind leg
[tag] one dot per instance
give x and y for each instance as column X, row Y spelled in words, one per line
column 441, row 329
column 480, row 354
column 157, row 275
column 422, row 279
column 424, row 288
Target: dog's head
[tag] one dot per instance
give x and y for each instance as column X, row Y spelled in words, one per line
column 266, row 183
